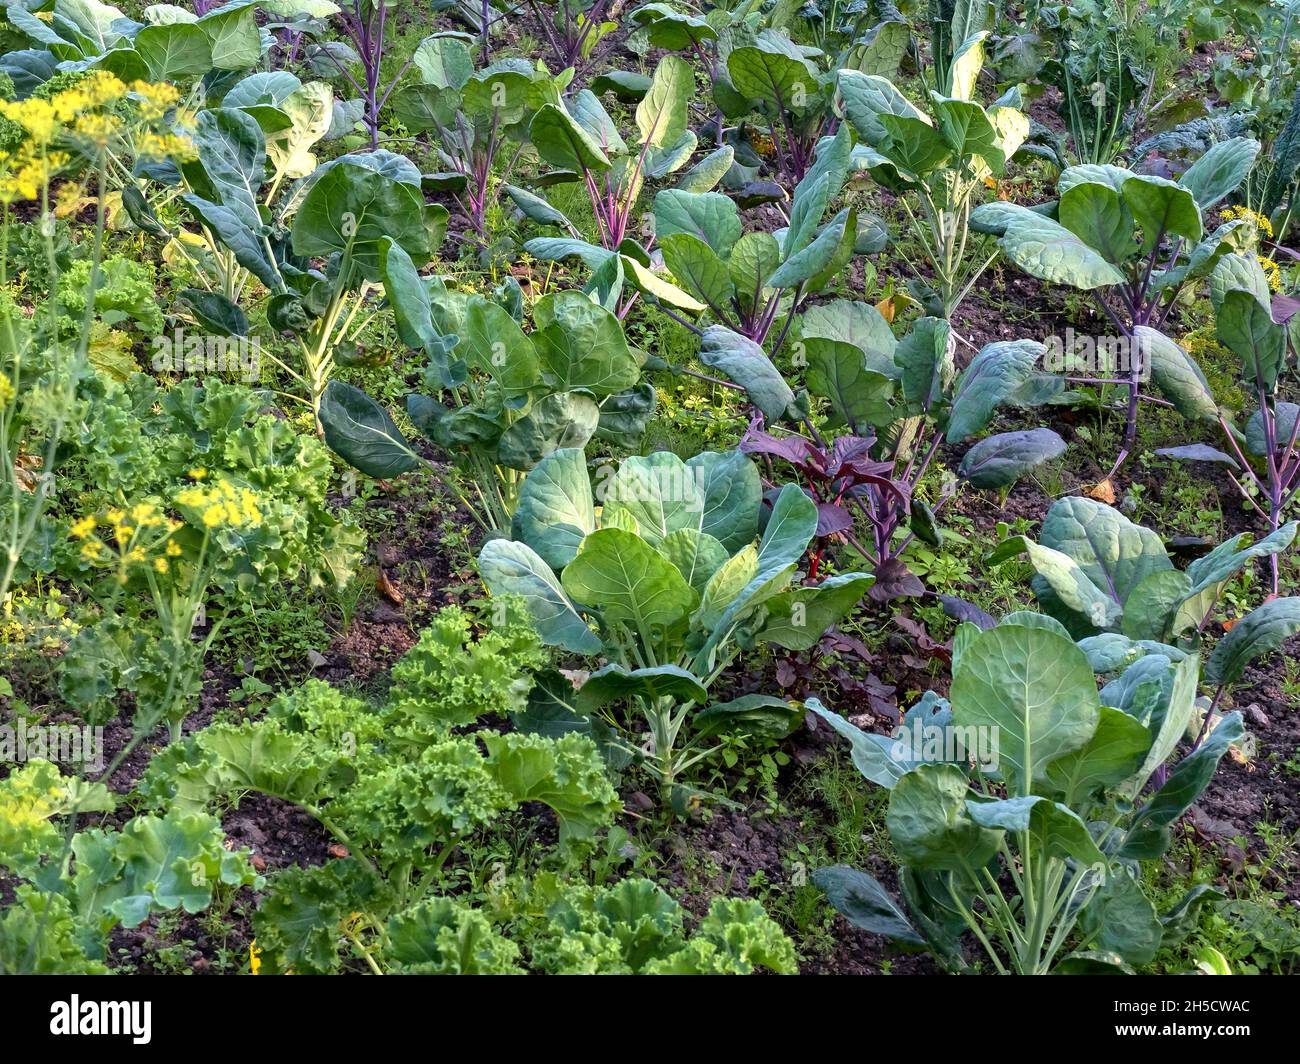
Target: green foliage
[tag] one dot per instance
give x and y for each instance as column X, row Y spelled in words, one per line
column 512, row 397
column 65, row 909
column 448, row 679
column 635, row 928
column 1017, row 865
column 675, row 584
column 1112, row 586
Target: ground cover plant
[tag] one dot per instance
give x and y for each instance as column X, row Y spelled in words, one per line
column 679, row 488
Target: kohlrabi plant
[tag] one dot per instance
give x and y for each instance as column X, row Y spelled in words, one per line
column 896, row 402
column 660, row 570
column 500, row 399
column 478, row 119
column 1136, row 242
column 1020, row 812
column 937, row 163
column 1264, row 461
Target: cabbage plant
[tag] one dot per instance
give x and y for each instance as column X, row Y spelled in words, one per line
column 479, row 118
column 1098, row 572
column 940, row 161
column 1264, row 461
column 316, row 246
column 501, row 399
column 1110, row 584
column 660, row 569
column 1136, row 241
column 747, row 282
column 1027, row 825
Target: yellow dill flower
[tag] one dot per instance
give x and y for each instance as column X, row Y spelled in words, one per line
column 7, row 392
column 102, row 88
column 145, row 515
column 160, row 565
column 155, row 100
column 214, row 515
column 191, row 497
column 83, row 526
column 173, row 549
column 1239, row 213
column 37, row 117
column 91, row 550
column 99, row 129
column 198, row 473
column 115, row 516
column 1272, row 271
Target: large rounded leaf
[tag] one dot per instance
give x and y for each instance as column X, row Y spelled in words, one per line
column 562, row 142
column 733, row 493
column 709, row 216
column 1176, row 374
column 1115, row 553
column 360, row 432
column 748, row 365
column 661, row 116
column 511, row 568
column 581, row 346
column 1246, row 327
column 797, row 619
column 660, row 493
column 928, row 823
column 1003, row 459
column 614, row 683
column 1037, row 689
column 629, row 582
column 556, row 510
column 561, row 419
column 1162, row 208
column 776, row 79
column 1220, row 170
column 352, row 207
column 1006, row 371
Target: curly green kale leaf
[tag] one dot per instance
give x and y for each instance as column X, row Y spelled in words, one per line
column 566, row 774
column 443, row 937
column 449, row 678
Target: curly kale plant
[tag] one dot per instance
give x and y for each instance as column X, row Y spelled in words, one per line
column 399, row 791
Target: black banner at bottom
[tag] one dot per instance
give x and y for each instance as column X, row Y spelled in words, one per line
column 301, row 1013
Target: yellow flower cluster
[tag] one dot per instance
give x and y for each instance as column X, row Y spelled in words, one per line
column 86, row 116
column 121, row 539
column 1272, row 271
column 222, row 505
column 1245, row 214
column 155, row 100
column 7, row 392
